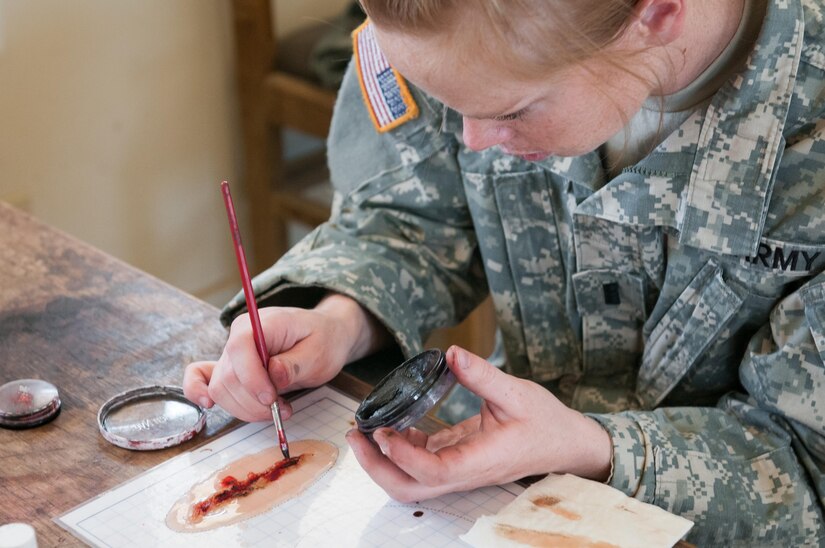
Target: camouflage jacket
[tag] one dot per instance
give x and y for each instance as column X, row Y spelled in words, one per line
column 682, row 302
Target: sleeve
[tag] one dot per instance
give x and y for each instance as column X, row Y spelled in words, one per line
column 751, row 471
column 400, row 239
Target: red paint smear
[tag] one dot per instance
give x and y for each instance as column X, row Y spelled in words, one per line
column 23, row 397
column 282, row 437
column 233, row 488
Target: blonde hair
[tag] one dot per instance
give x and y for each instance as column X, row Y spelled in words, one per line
column 536, row 35
column 531, row 37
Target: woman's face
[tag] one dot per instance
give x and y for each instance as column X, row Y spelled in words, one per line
column 569, row 113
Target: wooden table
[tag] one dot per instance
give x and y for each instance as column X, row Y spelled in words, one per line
column 92, row 326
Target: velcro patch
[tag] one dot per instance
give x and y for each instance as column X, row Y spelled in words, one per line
column 385, row 92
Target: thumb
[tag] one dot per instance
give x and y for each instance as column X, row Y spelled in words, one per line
column 481, row 377
column 196, row 379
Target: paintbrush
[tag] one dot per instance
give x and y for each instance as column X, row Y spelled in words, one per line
column 252, row 308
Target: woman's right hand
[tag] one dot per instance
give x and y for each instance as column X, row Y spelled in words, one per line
column 306, row 347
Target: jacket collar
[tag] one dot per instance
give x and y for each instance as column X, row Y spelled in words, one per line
column 712, row 178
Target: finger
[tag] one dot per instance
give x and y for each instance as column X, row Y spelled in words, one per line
column 301, row 349
column 285, row 408
column 284, row 328
column 417, row 462
column 285, row 373
column 253, row 377
column 221, row 396
column 383, row 472
column 484, row 379
column 415, row 437
column 302, row 366
column 452, row 435
column 470, row 463
column 196, row 378
column 299, row 366
column 226, row 391
column 241, row 355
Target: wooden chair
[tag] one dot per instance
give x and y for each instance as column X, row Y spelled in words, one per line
column 273, row 97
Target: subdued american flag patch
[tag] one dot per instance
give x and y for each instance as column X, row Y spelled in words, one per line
column 385, row 92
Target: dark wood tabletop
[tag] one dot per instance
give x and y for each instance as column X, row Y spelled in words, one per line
column 93, row 326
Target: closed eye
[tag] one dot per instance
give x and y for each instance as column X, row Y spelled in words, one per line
column 509, row 117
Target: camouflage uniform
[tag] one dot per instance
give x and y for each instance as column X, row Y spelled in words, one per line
column 682, row 302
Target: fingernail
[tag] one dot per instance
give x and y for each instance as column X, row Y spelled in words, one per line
column 350, row 440
column 461, row 358
column 266, row 398
column 381, row 440
column 280, row 377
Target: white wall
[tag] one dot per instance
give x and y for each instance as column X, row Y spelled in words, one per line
column 118, row 120
column 290, row 15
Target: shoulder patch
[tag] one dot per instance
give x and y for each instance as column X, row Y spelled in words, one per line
column 385, row 92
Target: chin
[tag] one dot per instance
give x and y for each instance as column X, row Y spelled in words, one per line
column 573, row 152
column 561, row 152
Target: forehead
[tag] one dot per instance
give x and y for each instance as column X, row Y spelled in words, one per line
column 460, row 71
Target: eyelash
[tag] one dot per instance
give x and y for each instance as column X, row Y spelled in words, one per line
column 510, row 117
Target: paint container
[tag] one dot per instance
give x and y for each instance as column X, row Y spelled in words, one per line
column 150, row 417
column 27, row 403
column 17, row 535
column 404, row 396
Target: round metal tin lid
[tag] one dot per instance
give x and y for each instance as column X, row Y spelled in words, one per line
column 151, row 417
column 26, row 403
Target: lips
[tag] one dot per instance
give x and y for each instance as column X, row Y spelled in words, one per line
column 528, row 156
column 533, row 156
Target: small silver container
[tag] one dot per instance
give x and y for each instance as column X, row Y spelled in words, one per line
column 27, row 403
column 150, row 417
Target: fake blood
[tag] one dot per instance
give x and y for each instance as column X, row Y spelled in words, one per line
column 234, row 488
column 23, row 398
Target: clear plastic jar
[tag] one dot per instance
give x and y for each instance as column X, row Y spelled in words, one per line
column 404, row 396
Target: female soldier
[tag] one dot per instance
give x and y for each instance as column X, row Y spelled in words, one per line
column 638, row 184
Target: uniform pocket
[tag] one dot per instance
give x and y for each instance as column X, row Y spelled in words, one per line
column 684, row 333
column 611, row 305
column 814, row 298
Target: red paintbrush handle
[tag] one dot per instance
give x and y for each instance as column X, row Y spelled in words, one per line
column 240, row 256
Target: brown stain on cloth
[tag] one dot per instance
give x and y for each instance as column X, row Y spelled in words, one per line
column 551, row 503
column 531, row 537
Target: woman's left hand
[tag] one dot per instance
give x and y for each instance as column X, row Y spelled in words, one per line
column 522, row 430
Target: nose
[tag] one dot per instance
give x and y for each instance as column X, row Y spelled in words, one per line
column 482, row 134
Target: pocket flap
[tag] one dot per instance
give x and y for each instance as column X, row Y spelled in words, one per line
column 685, row 332
column 814, row 298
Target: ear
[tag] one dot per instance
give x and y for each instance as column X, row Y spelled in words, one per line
column 659, row 22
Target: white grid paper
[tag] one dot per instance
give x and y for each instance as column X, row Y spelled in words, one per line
column 343, row 508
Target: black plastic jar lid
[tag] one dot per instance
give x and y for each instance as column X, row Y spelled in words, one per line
column 26, row 403
column 395, row 394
